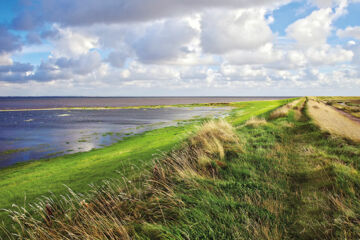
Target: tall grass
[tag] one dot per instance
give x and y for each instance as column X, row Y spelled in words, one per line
column 284, row 110
column 120, row 211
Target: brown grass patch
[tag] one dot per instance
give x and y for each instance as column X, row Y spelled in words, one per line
column 284, row 110
column 256, row 122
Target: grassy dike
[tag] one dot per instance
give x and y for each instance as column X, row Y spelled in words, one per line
column 27, row 182
column 282, row 178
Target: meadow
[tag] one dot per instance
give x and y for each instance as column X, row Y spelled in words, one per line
column 270, row 170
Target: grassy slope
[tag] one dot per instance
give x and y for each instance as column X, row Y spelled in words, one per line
column 290, row 180
column 131, row 156
column 78, row 170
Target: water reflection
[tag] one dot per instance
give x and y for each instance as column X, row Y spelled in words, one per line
column 42, row 134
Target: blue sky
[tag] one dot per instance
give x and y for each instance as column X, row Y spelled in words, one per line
column 157, row 47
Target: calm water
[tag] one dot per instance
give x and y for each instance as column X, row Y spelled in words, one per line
column 27, row 135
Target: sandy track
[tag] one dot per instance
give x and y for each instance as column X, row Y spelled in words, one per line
column 329, row 119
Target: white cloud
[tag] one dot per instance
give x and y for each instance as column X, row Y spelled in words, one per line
column 263, row 55
column 349, row 32
column 313, row 30
column 69, row 43
column 225, row 31
column 327, row 55
column 5, row 59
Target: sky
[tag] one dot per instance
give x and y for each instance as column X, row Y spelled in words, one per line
column 179, row 47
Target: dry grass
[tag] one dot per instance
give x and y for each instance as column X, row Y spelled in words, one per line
column 203, row 155
column 284, row 110
column 334, row 122
column 112, row 211
column 256, row 122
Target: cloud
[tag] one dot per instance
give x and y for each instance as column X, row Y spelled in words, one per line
column 68, row 68
column 313, row 30
column 5, row 59
column 164, row 41
column 16, row 67
column 33, row 38
column 8, row 41
column 15, row 72
column 135, row 47
column 82, row 64
column 263, row 55
column 327, row 55
column 69, row 43
column 88, row 12
column 117, row 59
column 349, row 32
column 225, row 31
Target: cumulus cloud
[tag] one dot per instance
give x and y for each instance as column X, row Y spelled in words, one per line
column 225, row 31
column 327, row 55
column 313, row 30
column 349, row 32
column 263, row 55
column 68, row 43
column 164, row 41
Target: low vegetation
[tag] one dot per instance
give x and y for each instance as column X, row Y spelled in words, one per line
column 259, row 178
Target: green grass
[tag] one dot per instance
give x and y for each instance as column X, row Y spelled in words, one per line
column 285, row 179
column 29, row 181
column 291, row 181
column 26, row 182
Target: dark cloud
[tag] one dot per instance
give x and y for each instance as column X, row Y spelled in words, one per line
column 27, row 20
column 33, row 38
column 17, row 68
column 67, row 68
column 8, row 41
column 87, row 12
column 15, row 72
column 116, row 59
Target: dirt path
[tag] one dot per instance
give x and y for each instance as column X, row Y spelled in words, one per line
column 329, row 119
column 347, row 115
